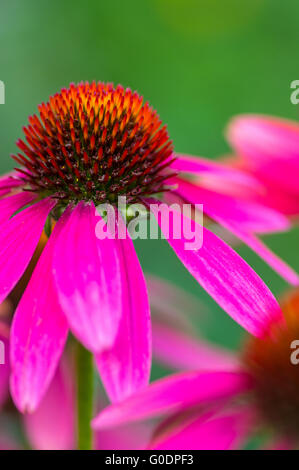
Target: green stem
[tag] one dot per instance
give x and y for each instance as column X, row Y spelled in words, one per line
column 84, row 397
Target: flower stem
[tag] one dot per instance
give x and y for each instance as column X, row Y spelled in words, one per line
column 84, row 397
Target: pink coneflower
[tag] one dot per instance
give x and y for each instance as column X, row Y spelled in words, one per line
column 221, row 409
column 90, row 144
column 268, row 148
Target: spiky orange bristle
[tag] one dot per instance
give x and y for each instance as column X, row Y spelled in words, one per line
column 276, row 377
column 95, row 142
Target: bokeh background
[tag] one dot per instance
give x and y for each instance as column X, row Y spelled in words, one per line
column 198, row 62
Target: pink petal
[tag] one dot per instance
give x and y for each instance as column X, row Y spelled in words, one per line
column 4, row 362
column 18, row 239
column 12, row 204
column 270, row 147
column 241, row 222
column 88, row 279
column 52, row 425
column 178, row 391
column 249, row 216
column 268, row 194
column 125, row 367
column 204, row 166
column 171, row 304
column 227, row 278
column 39, row 332
column 181, row 351
column 283, row 201
column 276, row 263
column 131, row 437
column 265, row 137
column 8, row 182
column 206, row 433
column 10, row 176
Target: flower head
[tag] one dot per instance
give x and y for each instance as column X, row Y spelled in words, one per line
column 90, row 144
column 94, row 142
column 221, row 406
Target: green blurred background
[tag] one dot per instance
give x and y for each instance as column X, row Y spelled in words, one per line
column 198, row 62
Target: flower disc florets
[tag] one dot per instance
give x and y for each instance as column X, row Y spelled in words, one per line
column 95, row 142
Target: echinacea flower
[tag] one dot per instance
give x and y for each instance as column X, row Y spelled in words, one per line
column 90, row 144
column 268, row 148
column 222, row 408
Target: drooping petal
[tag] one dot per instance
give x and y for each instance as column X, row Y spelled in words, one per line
column 223, row 432
column 4, row 362
column 285, row 202
column 276, row 263
column 125, row 366
column 52, row 425
column 182, row 351
column 199, row 165
column 230, row 281
column 11, row 204
column 88, row 279
column 39, row 332
column 249, row 216
column 243, row 219
column 268, row 194
column 178, row 391
column 18, row 239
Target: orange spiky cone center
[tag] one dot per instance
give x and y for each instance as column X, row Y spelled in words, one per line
column 272, row 363
column 95, row 142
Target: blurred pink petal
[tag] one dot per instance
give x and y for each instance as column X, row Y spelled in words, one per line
column 125, row 366
column 182, row 351
column 231, row 282
column 178, row 391
column 8, row 443
column 52, row 425
column 270, row 147
column 277, row 264
column 204, row 166
column 171, row 304
column 206, row 433
column 131, row 437
column 249, row 216
column 88, row 279
column 38, row 334
column 4, row 362
column 262, row 137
